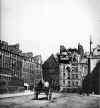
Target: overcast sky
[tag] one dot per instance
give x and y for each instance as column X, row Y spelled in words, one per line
column 41, row 26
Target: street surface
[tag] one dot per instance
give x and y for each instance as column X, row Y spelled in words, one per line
column 58, row 101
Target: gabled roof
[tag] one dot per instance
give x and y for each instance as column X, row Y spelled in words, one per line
column 51, row 62
column 96, row 51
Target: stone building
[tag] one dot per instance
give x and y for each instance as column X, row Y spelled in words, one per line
column 92, row 80
column 10, row 64
column 31, row 69
column 51, row 71
column 95, row 57
column 37, row 68
column 18, row 68
column 68, row 68
column 80, row 50
column 72, row 69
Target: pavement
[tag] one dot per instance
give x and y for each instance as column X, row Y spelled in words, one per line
column 8, row 95
column 59, row 100
column 28, row 92
column 25, row 93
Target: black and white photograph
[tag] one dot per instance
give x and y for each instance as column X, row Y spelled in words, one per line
column 49, row 53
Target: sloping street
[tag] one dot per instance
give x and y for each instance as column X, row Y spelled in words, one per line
column 58, row 101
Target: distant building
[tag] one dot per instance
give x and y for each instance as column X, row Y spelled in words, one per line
column 17, row 68
column 26, row 70
column 83, row 67
column 31, row 69
column 51, row 71
column 37, row 63
column 96, row 51
column 95, row 57
column 71, row 69
column 80, row 50
column 91, row 81
column 68, row 68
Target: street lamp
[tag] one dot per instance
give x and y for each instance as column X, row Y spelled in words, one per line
column 90, row 55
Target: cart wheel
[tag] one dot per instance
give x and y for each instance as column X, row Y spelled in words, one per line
column 37, row 95
column 49, row 95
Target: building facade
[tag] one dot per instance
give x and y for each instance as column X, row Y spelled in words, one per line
column 72, row 69
column 18, row 68
column 51, row 71
column 10, row 63
column 31, row 69
column 92, row 81
column 95, row 58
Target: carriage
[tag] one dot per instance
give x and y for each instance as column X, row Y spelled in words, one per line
column 43, row 87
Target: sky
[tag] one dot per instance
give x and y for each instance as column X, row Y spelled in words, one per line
column 41, row 26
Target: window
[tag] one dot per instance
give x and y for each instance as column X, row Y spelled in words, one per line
column 63, row 81
column 68, row 69
column 68, row 77
column 72, row 76
column 76, row 83
column 73, row 83
column 68, row 83
column 76, row 76
column 36, row 65
column 72, row 70
column 0, row 53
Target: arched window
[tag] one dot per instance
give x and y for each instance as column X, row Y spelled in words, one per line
column 68, row 68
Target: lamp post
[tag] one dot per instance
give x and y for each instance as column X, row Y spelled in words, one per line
column 89, row 68
column 90, row 55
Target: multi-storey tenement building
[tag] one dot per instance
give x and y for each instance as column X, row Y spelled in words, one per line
column 31, row 69
column 18, row 68
column 95, row 57
column 37, row 68
column 26, row 69
column 10, row 63
column 71, row 68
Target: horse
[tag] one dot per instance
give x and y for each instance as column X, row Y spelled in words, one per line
column 43, row 86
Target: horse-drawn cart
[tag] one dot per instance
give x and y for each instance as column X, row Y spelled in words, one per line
column 43, row 87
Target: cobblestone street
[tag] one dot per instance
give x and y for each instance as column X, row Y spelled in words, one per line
column 58, row 101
